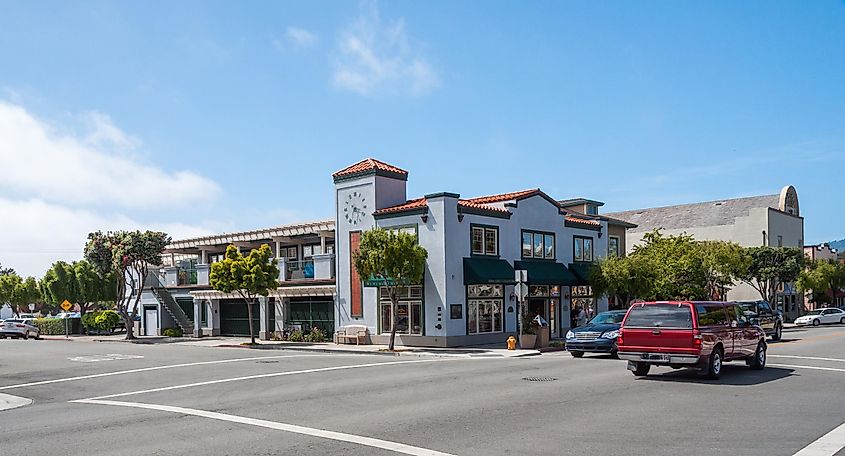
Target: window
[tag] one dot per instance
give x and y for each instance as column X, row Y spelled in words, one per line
column 485, row 240
column 408, row 311
column 485, row 306
column 613, row 246
column 309, row 251
column 538, row 245
column 592, row 209
column 289, row 253
column 711, row 315
column 659, row 316
column 408, row 229
column 583, row 248
column 780, row 241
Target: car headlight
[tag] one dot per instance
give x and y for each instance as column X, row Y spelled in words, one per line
column 570, row 335
column 610, row 334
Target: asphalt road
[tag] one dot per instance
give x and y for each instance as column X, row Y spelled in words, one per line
column 185, row 400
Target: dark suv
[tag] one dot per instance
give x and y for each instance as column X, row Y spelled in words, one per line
column 761, row 314
column 698, row 335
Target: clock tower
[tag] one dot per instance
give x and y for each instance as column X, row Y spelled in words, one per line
column 360, row 190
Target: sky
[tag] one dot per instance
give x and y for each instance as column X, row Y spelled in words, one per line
column 202, row 117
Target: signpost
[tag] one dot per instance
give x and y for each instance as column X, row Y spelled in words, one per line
column 521, row 291
column 66, row 306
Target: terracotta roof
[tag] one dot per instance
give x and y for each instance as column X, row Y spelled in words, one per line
column 582, row 221
column 418, row 203
column 473, row 205
column 369, row 164
column 504, row 196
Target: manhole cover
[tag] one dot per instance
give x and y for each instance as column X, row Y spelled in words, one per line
column 267, row 362
column 539, row 379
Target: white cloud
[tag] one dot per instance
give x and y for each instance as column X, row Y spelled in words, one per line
column 91, row 169
column 374, row 56
column 37, row 233
column 301, row 37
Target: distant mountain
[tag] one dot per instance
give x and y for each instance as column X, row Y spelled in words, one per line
column 838, row 245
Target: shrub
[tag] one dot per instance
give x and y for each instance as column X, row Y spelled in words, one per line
column 316, row 335
column 51, row 326
column 296, row 336
column 104, row 320
column 172, row 332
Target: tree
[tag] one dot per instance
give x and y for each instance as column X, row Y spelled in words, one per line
column 675, row 264
column 624, row 278
column 821, row 277
column 724, row 263
column 18, row 293
column 771, row 267
column 79, row 283
column 126, row 256
column 6, row 271
column 249, row 276
column 393, row 258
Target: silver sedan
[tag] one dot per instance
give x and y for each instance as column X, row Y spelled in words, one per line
column 21, row 328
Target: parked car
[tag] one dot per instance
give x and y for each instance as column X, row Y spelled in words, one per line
column 19, row 328
column 64, row 315
column 822, row 316
column 698, row 335
column 597, row 336
column 761, row 314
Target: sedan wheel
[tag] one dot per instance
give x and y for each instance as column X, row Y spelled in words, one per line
column 842, row 321
column 26, row 335
column 816, row 322
column 714, row 368
column 779, row 332
column 759, row 361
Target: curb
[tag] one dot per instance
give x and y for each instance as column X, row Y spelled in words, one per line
column 382, row 353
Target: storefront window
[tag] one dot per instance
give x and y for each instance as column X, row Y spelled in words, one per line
column 582, row 298
column 485, row 305
column 408, row 311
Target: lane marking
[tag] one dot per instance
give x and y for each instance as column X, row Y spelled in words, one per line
column 7, row 401
column 98, row 358
column 339, row 436
column 154, row 368
column 827, row 445
column 270, row 375
column 832, row 369
column 807, row 357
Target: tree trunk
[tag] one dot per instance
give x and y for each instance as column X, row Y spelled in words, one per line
column 128, row 322
column 249, row 313
column 394, row 307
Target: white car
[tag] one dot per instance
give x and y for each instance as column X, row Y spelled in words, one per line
column 822, row 316
column 17, row 327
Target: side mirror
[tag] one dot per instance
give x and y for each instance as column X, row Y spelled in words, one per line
column 733, row 324
column 755, row 322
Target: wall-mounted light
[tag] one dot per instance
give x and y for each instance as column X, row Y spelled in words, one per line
column 460, row 217
column 424, row 218
column 600, row 232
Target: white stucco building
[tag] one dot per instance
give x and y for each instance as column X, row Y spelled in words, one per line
column 773, row 220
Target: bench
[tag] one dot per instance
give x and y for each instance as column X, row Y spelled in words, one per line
column 358, row 333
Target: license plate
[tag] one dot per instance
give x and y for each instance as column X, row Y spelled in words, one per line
column 655, row 357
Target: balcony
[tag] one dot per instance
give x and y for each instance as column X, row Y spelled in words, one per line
column 186, row 276
column 320, row 267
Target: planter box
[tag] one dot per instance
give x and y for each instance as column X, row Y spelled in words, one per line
column 527, row 340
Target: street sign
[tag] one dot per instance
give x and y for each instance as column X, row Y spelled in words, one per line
column 66, row 305
column 520, row 275
column 31, row 307
column 521, row 291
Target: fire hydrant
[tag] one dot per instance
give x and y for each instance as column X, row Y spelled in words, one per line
column 511, row 343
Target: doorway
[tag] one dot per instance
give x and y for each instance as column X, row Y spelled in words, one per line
column 544, row 300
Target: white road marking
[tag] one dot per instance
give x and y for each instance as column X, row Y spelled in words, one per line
column 98, row 358
column 154, row 368
column 273, row 374
column 806, row 357
column 827, row 445
column 339, row 436
column 7, row 401
column 832, row 369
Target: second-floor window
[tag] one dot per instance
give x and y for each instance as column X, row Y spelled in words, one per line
column 583, row 248
column 613, row 246
column 485, row 240
column 538, row 245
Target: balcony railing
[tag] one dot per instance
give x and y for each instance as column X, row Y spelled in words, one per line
column 187, row 276
column 298, row 270
column 321, row 267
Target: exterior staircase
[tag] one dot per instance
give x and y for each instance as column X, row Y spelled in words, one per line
column 172, row 307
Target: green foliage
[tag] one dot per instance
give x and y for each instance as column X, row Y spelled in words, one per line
column 78, row 283
column 316, row 335
column 172, row 332
column 51, row 326
column 770, row 267
column 250, row 276
column 6, row 271
column 296, row 336
column 394, row 257
column 625, row 278
column 18, row 293
column 821, row 277
column 126, row 257
column 104, row 320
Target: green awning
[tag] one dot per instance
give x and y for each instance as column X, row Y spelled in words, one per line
column 487, row 270
column 582, row 272
column 546, row 273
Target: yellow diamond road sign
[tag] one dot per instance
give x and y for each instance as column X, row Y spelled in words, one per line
column 66, row 305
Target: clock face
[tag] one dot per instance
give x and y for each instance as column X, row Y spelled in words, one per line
column 354, row 207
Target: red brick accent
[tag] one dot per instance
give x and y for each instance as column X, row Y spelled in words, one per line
column 356, row 290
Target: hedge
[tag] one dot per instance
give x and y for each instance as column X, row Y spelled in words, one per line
column 104, row 320
column 51, row 326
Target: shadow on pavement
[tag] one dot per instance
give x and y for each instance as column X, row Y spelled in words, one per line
column 737, row 374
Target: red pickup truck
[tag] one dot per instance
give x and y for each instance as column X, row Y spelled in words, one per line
column 699, row 335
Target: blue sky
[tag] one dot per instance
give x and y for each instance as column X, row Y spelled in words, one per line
column 198, row 117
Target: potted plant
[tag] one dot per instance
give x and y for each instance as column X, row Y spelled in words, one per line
column 528, row 338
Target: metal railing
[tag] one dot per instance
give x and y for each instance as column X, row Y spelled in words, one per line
column 187, row 276
column 302, row 269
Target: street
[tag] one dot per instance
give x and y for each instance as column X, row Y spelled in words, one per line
column 180, row 399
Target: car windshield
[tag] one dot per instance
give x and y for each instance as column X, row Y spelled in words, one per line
column 814, row 312
column 748, row 307
column 605, row 318
column 14, row 321
column 660, row 316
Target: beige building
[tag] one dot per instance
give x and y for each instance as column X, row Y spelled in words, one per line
column 822, row 252
column 773, row 220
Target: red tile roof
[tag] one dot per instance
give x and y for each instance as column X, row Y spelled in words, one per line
column 418, row 203
column 369, row 164
column 473, row 205
column 582, row 221
column 504, row 196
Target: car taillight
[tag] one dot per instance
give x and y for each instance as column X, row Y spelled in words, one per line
column 696, row 338
column 20, row 326
column 619, row 338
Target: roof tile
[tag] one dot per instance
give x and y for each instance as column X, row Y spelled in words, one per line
column 369, row 164
column 503, row 196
